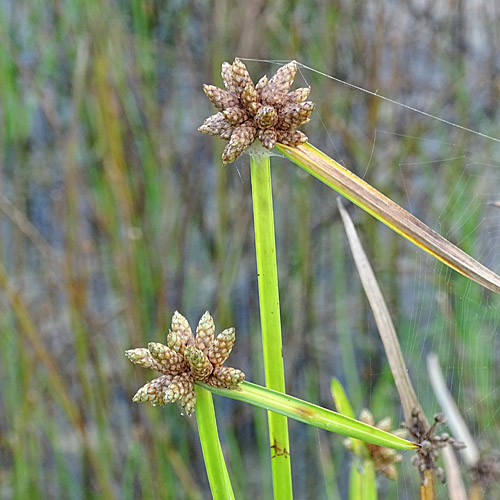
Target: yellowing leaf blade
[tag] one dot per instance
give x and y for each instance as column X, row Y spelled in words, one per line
column 397, row 218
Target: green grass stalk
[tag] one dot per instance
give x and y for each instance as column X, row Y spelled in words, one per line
column 265, row 247
column 218, row 476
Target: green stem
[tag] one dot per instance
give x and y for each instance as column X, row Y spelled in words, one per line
column 218, row 476
column 265, row 247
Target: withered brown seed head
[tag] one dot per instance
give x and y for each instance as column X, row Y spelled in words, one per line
column 184, row 360
column 384, row 459
column 266, row 111
column 430, row 443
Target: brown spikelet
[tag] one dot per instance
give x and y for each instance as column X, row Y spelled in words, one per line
column 235, row 115
column 266, row 117
column 227, row 77
column 170, row 361
column 279, row 84
column 181, row 327
column 221, row 347
column 142, row 357
column 200, row 365
column 217, row 125
column 268, row 138
column 261, row 84
column 178, row 388
column 205, row 332
column 225, row 376
column 221, row 99
column 294, row 115
column 291, row 137
column 249, row 97
column 241, row 138
column 153, row 391
column 176, row 342
column 298, row 95
column 241, row 77
column 188, row 403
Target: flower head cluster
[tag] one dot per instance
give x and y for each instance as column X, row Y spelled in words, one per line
column 266, row 111
column 383, row 458
column 184, row 360
column 430, row 443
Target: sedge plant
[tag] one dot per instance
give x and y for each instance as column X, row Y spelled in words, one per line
column 257, row 118
column 266, row 115
column 270, row 113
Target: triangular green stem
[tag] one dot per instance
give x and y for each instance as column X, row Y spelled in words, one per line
column 265, row 247
column 218, row 476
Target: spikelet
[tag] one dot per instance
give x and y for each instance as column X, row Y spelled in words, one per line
column 225, row 376
column 205, row 332
column 142, row 357
column 170, row 361
column 221, row 347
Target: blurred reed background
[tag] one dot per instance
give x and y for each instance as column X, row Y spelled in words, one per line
column 115, row 211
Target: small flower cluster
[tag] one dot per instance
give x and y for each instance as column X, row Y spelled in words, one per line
column 383, row 458
column 430, row 443
column 266, row 111
column 184, row 360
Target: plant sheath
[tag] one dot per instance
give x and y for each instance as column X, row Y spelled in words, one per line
column 265, row 247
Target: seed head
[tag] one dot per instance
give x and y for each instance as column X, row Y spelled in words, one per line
column 266, row 111
column 430, row 443
column 384, row 459
column 184, row 360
